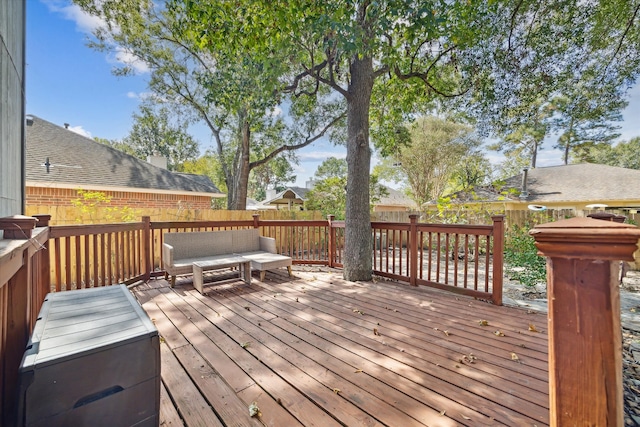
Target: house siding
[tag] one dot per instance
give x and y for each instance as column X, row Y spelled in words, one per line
column 12, row 65
column 40, row 196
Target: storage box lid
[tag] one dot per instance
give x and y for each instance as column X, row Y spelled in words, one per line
column 75, row 323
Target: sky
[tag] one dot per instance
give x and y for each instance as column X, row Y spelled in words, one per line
column 68, row 82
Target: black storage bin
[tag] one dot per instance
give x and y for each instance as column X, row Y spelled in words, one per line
column 93, row 360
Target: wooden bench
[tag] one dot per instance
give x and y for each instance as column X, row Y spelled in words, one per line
column 214, row 249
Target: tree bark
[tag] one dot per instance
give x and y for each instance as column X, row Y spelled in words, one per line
column 567, row 145
column 241, row 168
column 357, row 252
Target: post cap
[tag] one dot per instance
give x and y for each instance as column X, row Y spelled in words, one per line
column 17, row 226
column 587, row 238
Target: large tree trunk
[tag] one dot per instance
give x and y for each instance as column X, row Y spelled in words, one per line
column 534, row 153
column 567, row 145
column 358, row 249
column 242, row 168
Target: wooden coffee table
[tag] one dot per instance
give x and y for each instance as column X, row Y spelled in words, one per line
column 224, row 261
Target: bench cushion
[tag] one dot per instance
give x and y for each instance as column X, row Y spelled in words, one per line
column 267, row 261
column 247, row 240
column 198, row 244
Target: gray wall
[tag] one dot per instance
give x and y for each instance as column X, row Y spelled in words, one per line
column 12, row 101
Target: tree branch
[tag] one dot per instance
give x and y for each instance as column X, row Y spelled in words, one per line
column 624, row 35
column 425, row 75
column 314, row 72
column 306, row 142
column 513, row 23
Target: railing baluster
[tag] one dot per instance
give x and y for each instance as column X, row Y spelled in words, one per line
column 67, row 247
column 87, row 265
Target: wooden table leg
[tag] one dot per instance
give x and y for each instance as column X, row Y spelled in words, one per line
column 197, row 277
column 246, row 272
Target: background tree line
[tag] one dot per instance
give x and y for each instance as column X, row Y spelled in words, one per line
column 359, row 72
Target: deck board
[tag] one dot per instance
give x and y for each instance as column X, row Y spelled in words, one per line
column 319, row 351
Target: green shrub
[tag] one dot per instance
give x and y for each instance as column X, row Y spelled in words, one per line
column 522, row 262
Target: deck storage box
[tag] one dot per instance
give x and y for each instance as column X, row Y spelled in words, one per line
column 93, row 360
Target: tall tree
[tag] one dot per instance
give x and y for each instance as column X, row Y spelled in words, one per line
column 624, row 154
column 525, row 139
column 585, row 117
column 498, row 55
column 233, row 94
column 153, row 133
column 436, row 151
column 117, row 144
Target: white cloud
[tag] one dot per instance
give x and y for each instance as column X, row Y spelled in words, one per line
column 80, row 131
column 123, row 56
column 84, row 22
column 141, row 95
column 87, row 24
column 314, row 156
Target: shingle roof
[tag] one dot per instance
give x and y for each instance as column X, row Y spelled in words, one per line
column 396, row 198
column 579, row 182
column 583, row 182
column 295, row 194
column 81, row 161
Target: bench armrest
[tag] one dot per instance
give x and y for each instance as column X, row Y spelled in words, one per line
column 268, row 244
column 167, row 255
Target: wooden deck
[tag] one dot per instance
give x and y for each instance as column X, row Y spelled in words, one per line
column 318, row 351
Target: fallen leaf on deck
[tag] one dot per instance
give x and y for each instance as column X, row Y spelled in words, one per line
column 336, row 390
column 446, row 333
column 469, row 359
column 245, row 344
column 442, row 413
column 375, row 331
column 357, row 371
column 465, row 417
column 514, row 356
column 532, row 328
column 498, row 333
column 360, row 312
column 254, row 411
column 483, row 323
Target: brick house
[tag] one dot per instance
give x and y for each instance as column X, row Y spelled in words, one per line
column 60, row 162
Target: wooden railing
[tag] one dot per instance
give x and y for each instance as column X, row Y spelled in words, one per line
column 85, row 256
column 24, row 280
column 466, row 259
column 461, row 258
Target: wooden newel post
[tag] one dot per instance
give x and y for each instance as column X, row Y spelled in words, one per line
column 585, row 348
